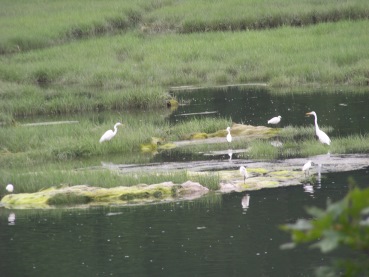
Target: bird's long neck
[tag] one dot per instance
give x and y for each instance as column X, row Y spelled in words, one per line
column 316, row 122
column 229, row 132
column 115, row 129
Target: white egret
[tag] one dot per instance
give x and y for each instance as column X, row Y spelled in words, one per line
column 244, row 173
column 275, row 120
column 229, row 136
column 323, row 138
column 307, row 166
column 9, row 188
column 109, row 134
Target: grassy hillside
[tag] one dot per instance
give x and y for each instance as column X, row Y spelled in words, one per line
column 72, row 56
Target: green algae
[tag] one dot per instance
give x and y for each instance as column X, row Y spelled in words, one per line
column 257, row 170
column 83, row 194
column 68, row 199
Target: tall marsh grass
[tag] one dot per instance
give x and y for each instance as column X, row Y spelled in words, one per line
column 203, row 16
column 136, row 71
column 38, row 24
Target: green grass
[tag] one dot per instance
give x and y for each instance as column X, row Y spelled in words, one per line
column 28, row 25
column 208, row 125
column 262, row 149
column 204, row 16
column 69, row 57
column 131, row 71
column 136, row 68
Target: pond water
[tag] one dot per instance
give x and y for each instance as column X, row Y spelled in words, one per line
column 347, row 112
column 212, row 236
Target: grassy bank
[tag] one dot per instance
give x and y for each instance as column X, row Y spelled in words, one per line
column 136, row 71
column 73, row 57
column 28, row 25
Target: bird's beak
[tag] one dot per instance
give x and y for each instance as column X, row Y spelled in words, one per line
column 307, row 114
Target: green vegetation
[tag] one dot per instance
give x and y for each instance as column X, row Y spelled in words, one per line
column 186, row 130
column 344, row 223
column 74, row 57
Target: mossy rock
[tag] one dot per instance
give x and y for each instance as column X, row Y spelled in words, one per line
column 172, row 103
column 86, row 195
column 68, row 199
column 199, row 136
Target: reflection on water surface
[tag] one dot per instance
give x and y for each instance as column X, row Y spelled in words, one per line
column 233, row 234
column 346, row 112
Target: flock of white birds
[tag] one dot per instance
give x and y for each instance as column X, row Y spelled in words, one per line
column 323, row 138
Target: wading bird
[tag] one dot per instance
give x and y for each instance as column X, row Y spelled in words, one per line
column 275, row 120
column 323, row 138
column 307, row 166
column 109, row 134
column 229, row 136
column 9, row 188
column 243, row 172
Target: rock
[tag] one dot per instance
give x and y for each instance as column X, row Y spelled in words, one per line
column 84, row 194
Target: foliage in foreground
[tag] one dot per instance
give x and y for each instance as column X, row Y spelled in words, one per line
column 344, row 223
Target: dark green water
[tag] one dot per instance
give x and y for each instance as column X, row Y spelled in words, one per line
column 347, row 112
column 214, row 236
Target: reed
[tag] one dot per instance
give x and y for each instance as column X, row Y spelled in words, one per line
column 202, row 16
column 133, row 72
column 35, row 24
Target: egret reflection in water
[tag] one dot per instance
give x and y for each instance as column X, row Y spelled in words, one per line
column 306, row 168
column 309, row 188
column 230, row 153
column 11, row 219
column 245, row 202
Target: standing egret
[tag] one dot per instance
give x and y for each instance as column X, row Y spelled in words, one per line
column 307, row 166
column 275, row 120
column 229, row 136
column 109, row 134
column 323, row 138
column 9, row 188
column 243, row 172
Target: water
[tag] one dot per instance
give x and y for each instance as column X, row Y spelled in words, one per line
column 207, row 237
column 346, row 112
column 212, row 236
